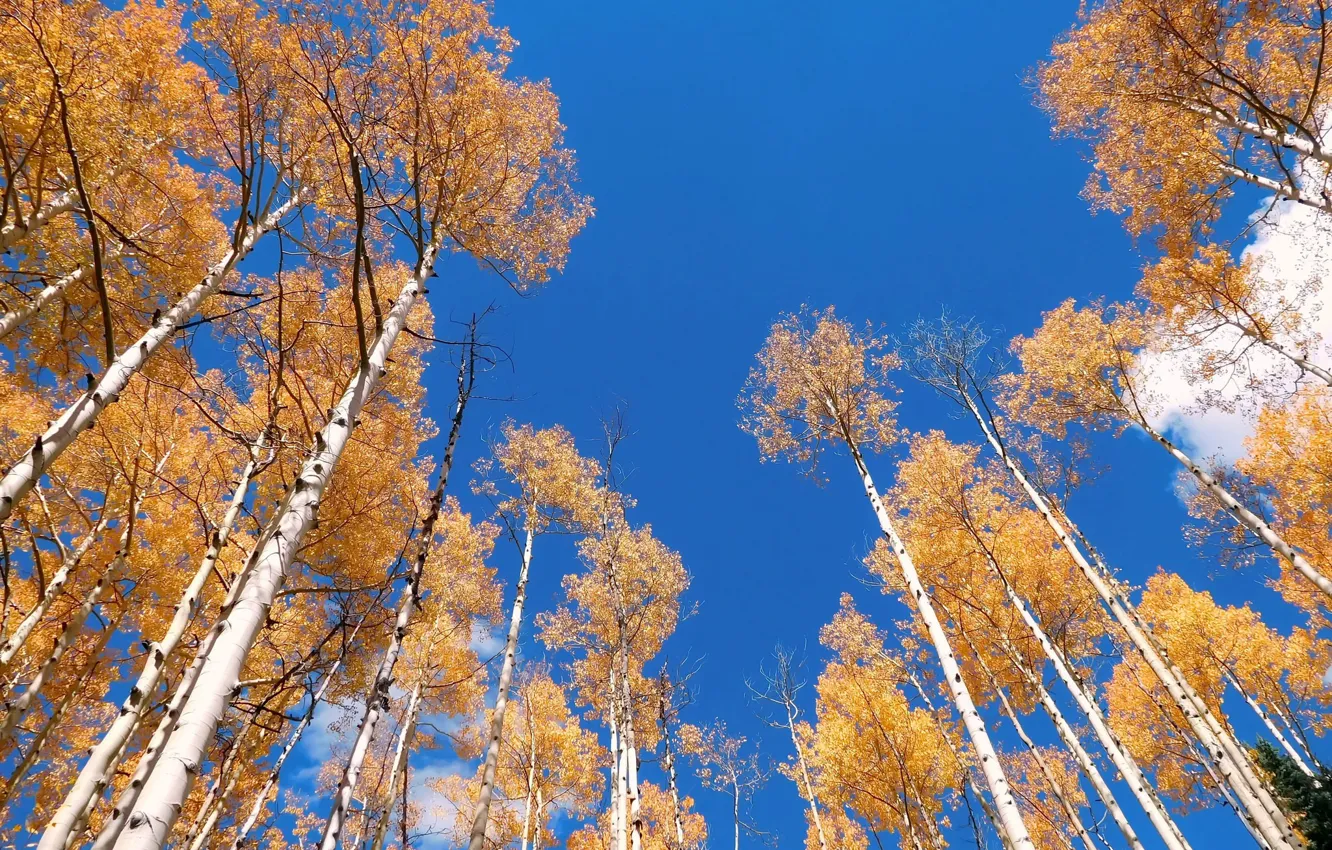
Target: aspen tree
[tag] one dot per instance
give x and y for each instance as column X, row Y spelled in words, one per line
column 723, row 765
column 820, row 383
column 258, row 217
column 1183, row 100
column 551, row 485
column 1098, row 389
column 948, row 361
column 781, row 687
column 466, row 550
column 870, row 751
column 521, row 220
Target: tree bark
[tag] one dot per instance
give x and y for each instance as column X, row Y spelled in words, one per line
column 169, row 783
column 1010, row 818
column 400, row 754
column 99, row 770
column 19, row 708
column 34, row 750
column 481, row 816
column 261, row 799
column 1242, row 515
column 81, row 415
column 26, row 626
column 1230, row 763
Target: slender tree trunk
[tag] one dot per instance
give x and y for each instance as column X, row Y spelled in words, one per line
column 1299, row 360
column 1010, row 818
column 99, row 770
column 1271, row 726
column 169, row 784
column 12, row 234
column 1243, row 515
column 1281, row 138
column 124, row 804
column 376, row 705
column 15, row 318
column 810, row 794
column 1276, row 187
column 735, row 811
column 1133, row 774
column 271, row 781
column 481, row 816
column 962, row 764
column 613, row 723
column 633, row 802
column 668, row 763
column 19, row 708
column 1230, row 762
column 378, row 700
column 1056, row 790
column 35, row 745
column 541, row 808
column 401, row 752
column 531, row 782
column 80, row 416
column 26, row 626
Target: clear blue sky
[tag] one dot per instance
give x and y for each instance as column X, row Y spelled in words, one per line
column 749, row 157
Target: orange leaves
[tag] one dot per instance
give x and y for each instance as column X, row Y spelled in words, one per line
column 1174, row 96
column 551, row 484
column 1075, row 368
column 819, row 380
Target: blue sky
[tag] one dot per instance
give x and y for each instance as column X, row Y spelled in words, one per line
column 747, row 158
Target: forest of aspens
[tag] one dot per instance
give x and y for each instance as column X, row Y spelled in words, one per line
column 292, row 557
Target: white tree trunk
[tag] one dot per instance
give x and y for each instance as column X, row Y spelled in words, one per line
column 1243, row 515
column 810, row 795
column 1128, row 768
column 633, row 802
column 1006, row 809
column 378, row 700
column 400, row 753
column 14, row 318
column 169, row 784
column 218, row 791
column 99, row 769
column 1229, row 762
column 1056, row 790
column 1304, row 363
column 613, row 723
column 376, row 705
column 83, row 413
column 19, row 708
column 124, row 804
column 1299, row 144
column 12, row 234
column 531, row 781
column 35, row 745
column 1276, row 187
column 668, row 761
column 481, row 817
column 26, row 626
column 1271, row 726
column 261, row 799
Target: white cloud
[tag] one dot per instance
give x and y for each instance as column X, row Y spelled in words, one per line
column 484, row 642
column 1292, row 245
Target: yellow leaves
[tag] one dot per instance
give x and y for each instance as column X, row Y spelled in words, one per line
column 1046, row 819
column 819, row 380
column 1075, row 368
column 552, row 483
column 875, row 755
column 1157, row 86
